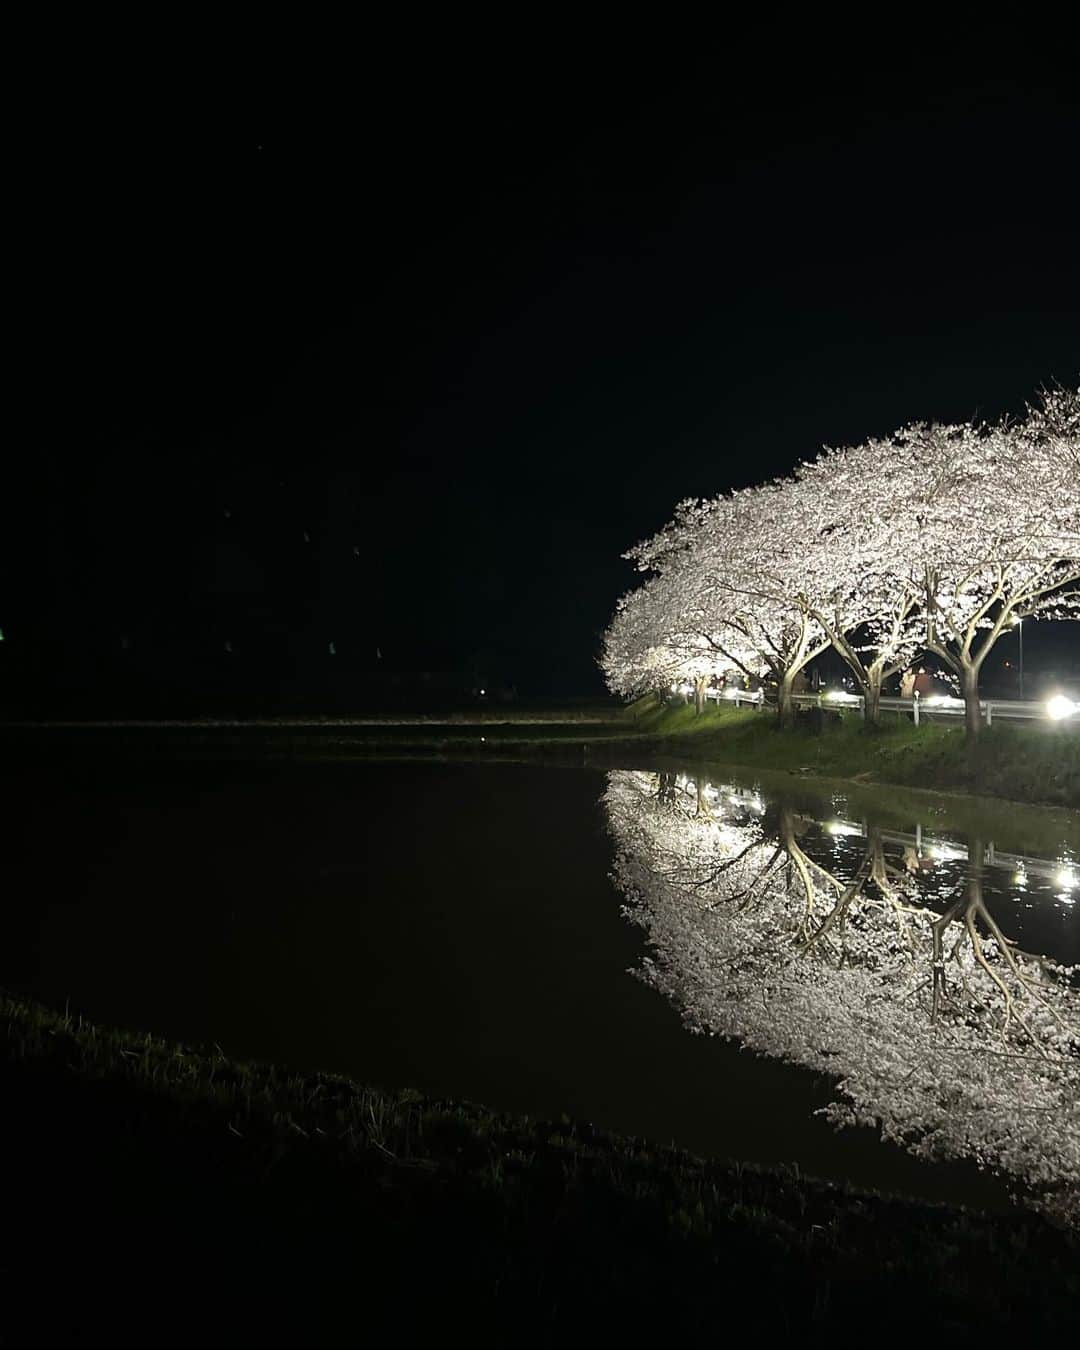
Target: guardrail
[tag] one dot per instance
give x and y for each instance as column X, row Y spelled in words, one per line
column 1058, row 709
column 751, row 698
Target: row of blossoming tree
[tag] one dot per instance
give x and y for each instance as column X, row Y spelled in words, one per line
column 936, row 539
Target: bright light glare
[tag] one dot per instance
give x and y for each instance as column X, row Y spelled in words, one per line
column 1060, row 706
column 1066, row 879
column 842, row 827
column 945, row 853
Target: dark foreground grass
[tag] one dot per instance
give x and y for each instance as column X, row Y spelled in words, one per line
column 153, row 1195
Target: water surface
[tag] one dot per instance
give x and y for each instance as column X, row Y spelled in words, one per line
column 457, row 928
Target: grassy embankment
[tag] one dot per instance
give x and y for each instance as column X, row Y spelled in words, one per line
column 1032, row 762
column 146, row 1181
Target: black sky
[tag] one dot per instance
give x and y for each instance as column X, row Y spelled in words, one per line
column 476, row 338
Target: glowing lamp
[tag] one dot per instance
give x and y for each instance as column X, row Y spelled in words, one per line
column 1060, row 706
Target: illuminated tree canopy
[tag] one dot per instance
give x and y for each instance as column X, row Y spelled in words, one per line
column 937, row 538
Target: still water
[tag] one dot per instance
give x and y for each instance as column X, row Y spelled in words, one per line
column 549, row 940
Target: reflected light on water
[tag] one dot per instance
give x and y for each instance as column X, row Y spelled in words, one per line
column 892, row 962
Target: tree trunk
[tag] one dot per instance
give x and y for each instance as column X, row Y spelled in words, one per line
column 972, row 715
column 700, row 682
column 785, row 707
column 872, row 697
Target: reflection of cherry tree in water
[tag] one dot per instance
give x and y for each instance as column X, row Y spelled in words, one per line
column 941, row 1033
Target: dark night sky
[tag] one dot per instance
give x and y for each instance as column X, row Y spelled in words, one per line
column 478, row 339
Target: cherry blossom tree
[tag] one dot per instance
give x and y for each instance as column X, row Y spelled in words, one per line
column 999, row 516
column 656, row 638
column 937, row 538
column 722, row 563
column 856, row 573
column 1055, row 422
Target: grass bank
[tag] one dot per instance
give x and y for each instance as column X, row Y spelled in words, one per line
column 154, row 1192
column 1034, row 762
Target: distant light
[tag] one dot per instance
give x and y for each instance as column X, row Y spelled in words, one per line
column 842, row 827
column 482, row 693
column 1060, row 706
column 1067, row 879
column 1020, row 879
